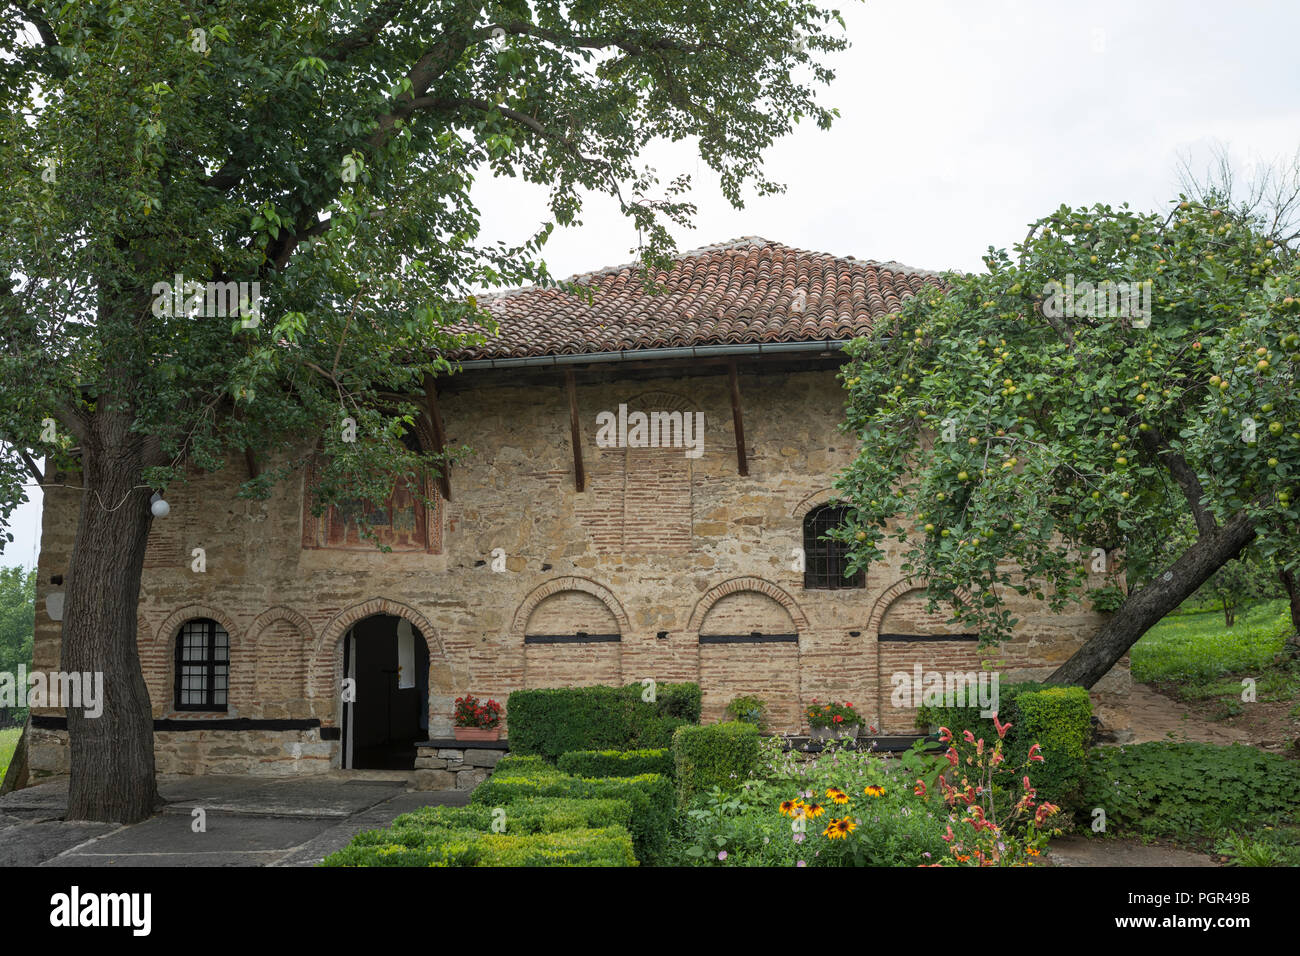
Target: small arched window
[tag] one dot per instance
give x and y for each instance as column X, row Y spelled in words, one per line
column 202, row 665
column 825, row 560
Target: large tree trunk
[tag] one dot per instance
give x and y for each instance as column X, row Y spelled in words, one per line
column 1292, row 646
column 1147, row 606
column 111, row 755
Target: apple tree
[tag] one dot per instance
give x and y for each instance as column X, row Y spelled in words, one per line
column 1116, row 373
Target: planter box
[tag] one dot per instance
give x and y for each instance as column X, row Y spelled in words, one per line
column 477, row 733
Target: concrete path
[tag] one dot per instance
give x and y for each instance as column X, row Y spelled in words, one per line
column 246, row 821
column 1083, row 851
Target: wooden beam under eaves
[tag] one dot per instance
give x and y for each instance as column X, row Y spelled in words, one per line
column 737, row 420
column 439, row 435
column 579, row 473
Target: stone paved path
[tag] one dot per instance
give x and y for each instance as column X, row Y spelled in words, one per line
column 249, row 821
column 1083, row 851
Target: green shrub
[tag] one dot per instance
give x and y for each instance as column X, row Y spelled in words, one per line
column 1058, row 719
column 650, row 796
column 606, row 846
column 553, row 721
column 542, row 815
column 516, row 764
column 616, row 763
column 720, row 755
column 1187, row 789
column 749, row 710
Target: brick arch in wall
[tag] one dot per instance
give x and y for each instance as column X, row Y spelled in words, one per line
column 570, row 631
column 892, row 594
column 281, row 638
column 555, row 586
column 717, row 593
column 325, row 669
column 900, row 655
column 733, row 661
column 158, row 657
column 807, row 504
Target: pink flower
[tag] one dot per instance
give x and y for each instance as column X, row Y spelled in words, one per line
column 1001, row 728
column 952, row 756
column 920, row 789
column 801, row 863
column 1034, row 754
column 945, row 735
column 970, row 738
column 722, row 854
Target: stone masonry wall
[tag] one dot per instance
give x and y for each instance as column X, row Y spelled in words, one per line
column 659, row 549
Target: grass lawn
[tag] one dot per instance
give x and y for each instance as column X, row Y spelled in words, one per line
column 8, row 741
column 1196, row 647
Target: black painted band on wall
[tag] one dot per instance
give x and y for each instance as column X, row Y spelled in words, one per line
column 928, row 637
column 46, row 722
column 582, row 637
column 752, row 638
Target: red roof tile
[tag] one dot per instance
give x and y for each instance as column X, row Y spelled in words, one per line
column 747, row 291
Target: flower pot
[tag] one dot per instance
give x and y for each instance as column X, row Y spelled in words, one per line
column 477, row 733
column 841, row 732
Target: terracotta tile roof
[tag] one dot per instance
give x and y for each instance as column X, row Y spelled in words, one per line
column 746, row 291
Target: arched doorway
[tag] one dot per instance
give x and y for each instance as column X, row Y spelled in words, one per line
column 386, row 694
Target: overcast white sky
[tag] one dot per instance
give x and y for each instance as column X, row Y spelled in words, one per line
column 962, row 122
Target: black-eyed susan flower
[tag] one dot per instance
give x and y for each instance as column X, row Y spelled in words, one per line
column 789, row 807
column 839, row 829
column 836, row 795
column 814, row 810
column 874, row 791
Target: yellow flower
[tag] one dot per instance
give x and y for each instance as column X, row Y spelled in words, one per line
column 874, row 791
column 814, row 810
column 788, row 807
column 837, row 795
column 839, row 829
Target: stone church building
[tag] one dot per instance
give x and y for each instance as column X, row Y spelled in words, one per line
column 569, row 548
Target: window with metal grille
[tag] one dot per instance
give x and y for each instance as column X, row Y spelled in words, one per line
column 825, row 560
column 202, row 665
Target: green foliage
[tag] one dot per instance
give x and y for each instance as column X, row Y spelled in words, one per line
column 608, row 846
column 616, row 763
column 1263, row 846
column 540, row 815
column 749, row 709
column 17, row 630
column 1183, row 790
column 1007, row 433
column 554, row 721
column 520, row 765
column 8, row 744
column 1198, row 647
column 1059, row 719
column 744, row 826
column 650, row 796
column 721, row 755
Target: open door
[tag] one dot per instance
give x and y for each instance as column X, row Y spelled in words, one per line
column 386, row 663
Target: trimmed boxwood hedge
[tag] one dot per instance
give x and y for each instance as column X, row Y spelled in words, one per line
column 554, row 721
column 1057, row 718
column 650, row 796
column 606, row 846
column 721, row 755
column 616, row 763
column 543, row 815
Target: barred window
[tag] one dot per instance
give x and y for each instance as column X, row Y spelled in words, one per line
column 202, row 665
column 825, row 560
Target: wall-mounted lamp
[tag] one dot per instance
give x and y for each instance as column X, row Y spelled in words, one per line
column 159, row 506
